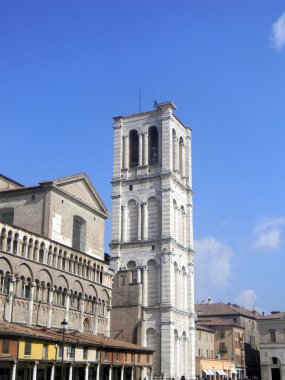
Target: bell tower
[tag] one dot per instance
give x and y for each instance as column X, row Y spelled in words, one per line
column 152, row 238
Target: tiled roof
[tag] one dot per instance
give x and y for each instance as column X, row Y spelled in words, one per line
column 216, row 321
column 274, row 315
column 16, row 329
column 223, row 309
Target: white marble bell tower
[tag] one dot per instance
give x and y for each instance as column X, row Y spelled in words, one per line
column 152, row 237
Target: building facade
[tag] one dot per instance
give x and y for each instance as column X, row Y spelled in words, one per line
column 152, row 238
column 249, row 357
column 226, row 357
column 52, row 263
column 33, row 353
column 272, row 346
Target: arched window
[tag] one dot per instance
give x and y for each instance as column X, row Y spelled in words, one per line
column 153, row 219
column 181, row 156
column 132, row 220
column 79, row 233
column 153, row 145
column 174, row 219
column 182, row 225
column 86, row 325
column 134, row 148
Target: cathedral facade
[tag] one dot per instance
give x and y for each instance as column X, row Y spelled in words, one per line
column 152, row 238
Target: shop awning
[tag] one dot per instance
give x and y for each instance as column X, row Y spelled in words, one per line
column 211, row 372
column 234, row 371
column 207, row 372
column 221, row 372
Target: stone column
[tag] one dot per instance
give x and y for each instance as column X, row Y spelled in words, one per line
column 35, row 370
column 109, row 307
column 95, row 322
column 122, row 372
column 145, row 158
column 139, row 221
column 70, row 371
column 176, row 154
column 110, row 372
column 125, row 224
column 50, row 301
column 139, row 277
column 98, row 372
column 31, row 304
column 145, row 221
column 67, row 306
column 14, row 370
column 52, row 372
column 87, row 371
column 81, row 314
column 144, row 290
column 9, row 299
column 140, row 148
column 126, row 152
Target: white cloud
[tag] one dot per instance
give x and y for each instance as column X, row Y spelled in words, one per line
column 278, row 33
column 269, row 234
column 246, row 299
column 213, row 266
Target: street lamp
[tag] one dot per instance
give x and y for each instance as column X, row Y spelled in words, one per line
column 63, row 324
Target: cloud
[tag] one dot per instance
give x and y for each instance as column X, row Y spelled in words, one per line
column 278, row 33
column 213, row 266
column 246, row 299
column 269, row 234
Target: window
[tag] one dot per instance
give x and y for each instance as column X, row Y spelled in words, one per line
column 252, row 340
column 126, row 357
column 153, row 145
column 139, row 358
column 131, row 187
column 28, row 349
column 97, row 354
column 7, row 215
column 199, row 335
column 71, row 352
column 235, row 320
column 134, row 148
column 59, row 352
column 147, row 358
column 272, row 336
column 222, row 334
column 223, row 347
column 45, row 351
column 85, row 353
column 117, row 356
column 274, row 361
column 5, row 346
column 79, row 233
column 132, row 358
column 199, row 352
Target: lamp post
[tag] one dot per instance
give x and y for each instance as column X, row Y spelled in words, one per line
column 63, row 324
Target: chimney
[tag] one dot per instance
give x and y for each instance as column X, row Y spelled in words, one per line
column 209, row 301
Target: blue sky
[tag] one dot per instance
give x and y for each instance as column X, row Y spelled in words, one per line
column 68, row 67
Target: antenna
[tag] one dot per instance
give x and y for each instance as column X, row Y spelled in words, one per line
column 154, row 100
column 140, row 101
